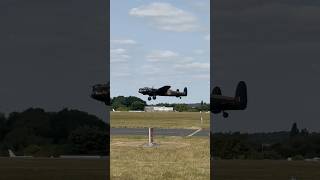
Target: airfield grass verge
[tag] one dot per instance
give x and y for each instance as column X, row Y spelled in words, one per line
column 180, row 158
column 265, row 170
column 185, row 120
column 52, row 169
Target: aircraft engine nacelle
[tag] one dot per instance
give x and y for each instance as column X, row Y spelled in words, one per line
column 177, row 90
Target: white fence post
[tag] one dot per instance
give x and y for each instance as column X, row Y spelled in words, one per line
column 150, row 136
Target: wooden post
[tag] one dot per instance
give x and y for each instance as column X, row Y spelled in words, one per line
column 150, row 136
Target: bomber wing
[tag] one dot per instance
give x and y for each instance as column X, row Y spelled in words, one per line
column 163, row 89
column 225, row 103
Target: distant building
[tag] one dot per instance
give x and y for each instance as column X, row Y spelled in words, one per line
column 158, row 109
column 136, row 111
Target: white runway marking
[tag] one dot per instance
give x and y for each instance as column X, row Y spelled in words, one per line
column 194, row 132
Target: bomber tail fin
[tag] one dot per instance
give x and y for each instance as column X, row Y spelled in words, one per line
column 216, row 91
column 241, row 94
column 11, row 154
column 185, row 91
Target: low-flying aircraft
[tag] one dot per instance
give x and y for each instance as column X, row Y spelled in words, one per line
column 163, row 91
column 220, row 103
column 12, row 155
column 101, row 92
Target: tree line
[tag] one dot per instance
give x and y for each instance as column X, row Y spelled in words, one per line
column 39, row 133
column 296, row 144
column 132, row 103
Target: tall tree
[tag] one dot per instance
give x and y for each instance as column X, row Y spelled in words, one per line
column 294, row 130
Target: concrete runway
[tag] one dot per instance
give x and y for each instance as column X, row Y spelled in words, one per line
column 159, row 132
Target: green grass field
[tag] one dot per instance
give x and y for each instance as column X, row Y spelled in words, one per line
column 135, row 167
column 178, row 158
column 265, row 170
column 52, row 169
column 187, row 120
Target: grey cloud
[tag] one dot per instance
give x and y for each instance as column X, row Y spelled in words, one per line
column 273, row 46
column 52, row 52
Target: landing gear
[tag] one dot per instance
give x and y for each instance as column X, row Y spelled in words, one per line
column 180, row 97
column 153, row 97
column 225, row 114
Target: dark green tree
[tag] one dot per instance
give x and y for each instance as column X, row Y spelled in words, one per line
column 127, row 103
column 137, row 105
column 39, row 133
column 294, row 130
column 2, row 126
column 181, row 107
column 89, row 140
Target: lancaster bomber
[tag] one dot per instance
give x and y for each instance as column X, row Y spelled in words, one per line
column 221, row 103
column 163, row 91
column 101, row 92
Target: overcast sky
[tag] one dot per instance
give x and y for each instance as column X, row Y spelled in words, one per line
column 273, row 46
column 157, row 43
column 51, row 53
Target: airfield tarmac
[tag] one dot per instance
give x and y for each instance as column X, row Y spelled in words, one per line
column 160, row 132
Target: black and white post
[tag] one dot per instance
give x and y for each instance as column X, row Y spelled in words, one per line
column 151, row 143
column 150, row 136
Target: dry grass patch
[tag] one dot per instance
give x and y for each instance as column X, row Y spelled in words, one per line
column 53, row 169
column 175, row 158
column 186, row 120
column 265, row 170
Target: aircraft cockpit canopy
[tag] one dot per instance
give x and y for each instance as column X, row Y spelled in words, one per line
column 145, row 89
